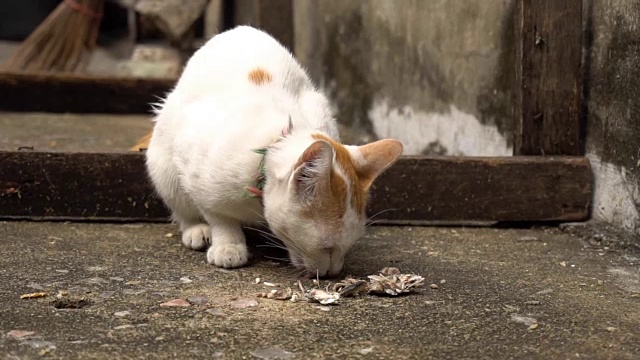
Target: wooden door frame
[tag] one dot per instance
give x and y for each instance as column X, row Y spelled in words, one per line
column 547, row 179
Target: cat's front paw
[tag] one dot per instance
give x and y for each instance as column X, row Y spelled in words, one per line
column 197, row 237
column 228, row 255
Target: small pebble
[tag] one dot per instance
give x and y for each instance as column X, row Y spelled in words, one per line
column 600, row 282
column 62, row 271
column 611, row 329
column 214, row 311
column 443, row 281
column 133, row 291
column 185, row 280
column 366, row 351
column 266, row 283
column 96, row 280
column 198, row 300
column 533, row 326
column 106, row 294
column 116, row 278
column 563, row 264
column 96, row 268
column 19, row 334
column 272, row 353
column 168, row 235
column 132, row 282
column 528, row 238
column 39, row 344
column 244, row 303
column 176, row 303
column 122, row 327
column 323, row 307
column 122, row 313
column 528, row 321
column 257, row 281
column 433, row 286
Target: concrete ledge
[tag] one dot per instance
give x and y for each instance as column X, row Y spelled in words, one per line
column 114, row 187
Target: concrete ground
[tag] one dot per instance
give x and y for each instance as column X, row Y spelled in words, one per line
column 540, row 293
column 71, row 132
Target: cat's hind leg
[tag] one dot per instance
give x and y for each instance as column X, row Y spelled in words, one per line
column 228, row 244
column 196, row 234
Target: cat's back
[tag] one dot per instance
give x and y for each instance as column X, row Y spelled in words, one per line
column 236, row 60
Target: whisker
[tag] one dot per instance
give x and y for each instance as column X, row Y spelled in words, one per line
column 373, row 223
column 286, row 260
column 380, row 213
column 272, row 246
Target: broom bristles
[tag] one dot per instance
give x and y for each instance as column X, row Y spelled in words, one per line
column 62, row 41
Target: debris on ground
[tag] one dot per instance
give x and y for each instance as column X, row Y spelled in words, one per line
column 175, row 303
column 46, row 346
column 528, row 321
column 272, row 353
column 198, row 300
column 351, row 287
column 390, row 281
column 70, row 303
column 324, row 297
column 19, row 334
column 395, row 284
column 277, row 294
column 244, row 303
column 34, row 295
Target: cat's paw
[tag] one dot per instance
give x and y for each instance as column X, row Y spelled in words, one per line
column 197, row 237
column 228, row 255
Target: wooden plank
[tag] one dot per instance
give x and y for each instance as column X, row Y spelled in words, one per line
column 84, row 186
column 273, row 16
column 549, row 51
column 80, row 94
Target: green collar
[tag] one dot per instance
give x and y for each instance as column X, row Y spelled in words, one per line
column 255, row 190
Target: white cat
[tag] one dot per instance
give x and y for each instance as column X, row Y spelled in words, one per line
column 240, row 92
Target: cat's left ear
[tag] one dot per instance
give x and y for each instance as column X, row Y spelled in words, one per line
column 376, row 157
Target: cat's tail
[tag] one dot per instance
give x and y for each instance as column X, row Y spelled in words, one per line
column 143, row 142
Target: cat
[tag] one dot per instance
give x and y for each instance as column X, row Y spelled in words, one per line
column 246, row 137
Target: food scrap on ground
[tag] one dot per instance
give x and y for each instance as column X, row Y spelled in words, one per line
column 34, row 295
column 390, row 281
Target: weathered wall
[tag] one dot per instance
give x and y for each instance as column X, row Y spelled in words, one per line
column 430, row 73
column 438, row 75
column 612, row 94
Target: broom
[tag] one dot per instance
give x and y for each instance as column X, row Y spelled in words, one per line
column 62, row 41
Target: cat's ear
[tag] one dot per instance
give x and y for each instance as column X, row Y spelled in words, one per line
column 376, row 158
column 312, row 171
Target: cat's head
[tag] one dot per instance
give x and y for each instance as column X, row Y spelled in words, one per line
column 315, row 199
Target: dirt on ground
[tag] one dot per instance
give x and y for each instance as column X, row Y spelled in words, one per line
column 543, row 293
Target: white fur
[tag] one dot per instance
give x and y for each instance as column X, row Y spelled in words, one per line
column 200, row 156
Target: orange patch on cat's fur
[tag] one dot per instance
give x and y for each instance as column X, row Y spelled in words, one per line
column 259, row 76
column 343, row 158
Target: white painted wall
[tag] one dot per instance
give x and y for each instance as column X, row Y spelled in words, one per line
column 458, row 132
